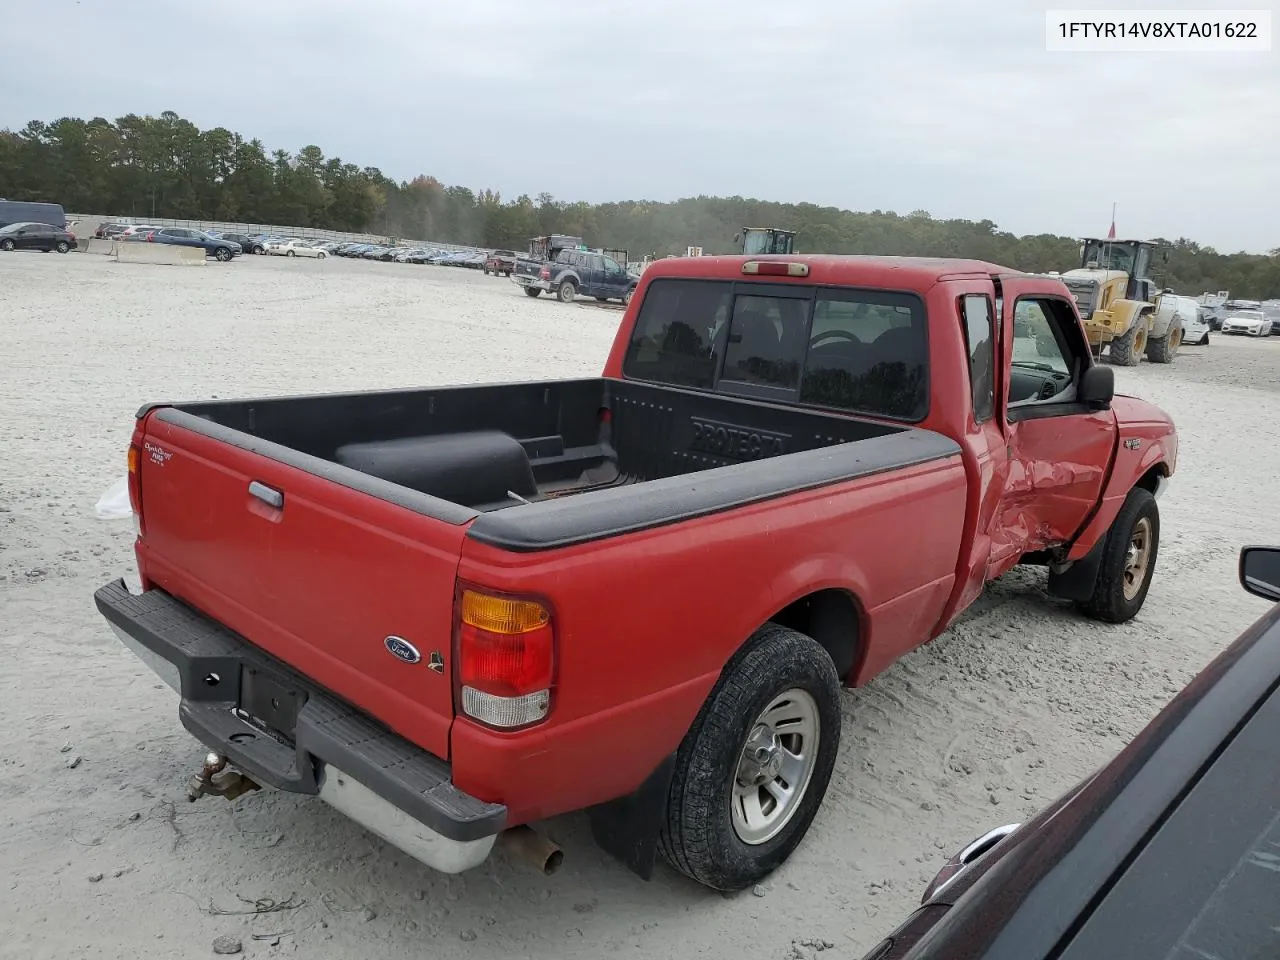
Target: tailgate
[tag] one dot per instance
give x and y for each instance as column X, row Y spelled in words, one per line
column 321, row 582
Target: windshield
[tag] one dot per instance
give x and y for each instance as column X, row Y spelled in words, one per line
column 851, row 349
column 1245, row 315
column 1109, row 256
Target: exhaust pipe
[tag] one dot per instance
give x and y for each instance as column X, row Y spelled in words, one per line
column 533, row 848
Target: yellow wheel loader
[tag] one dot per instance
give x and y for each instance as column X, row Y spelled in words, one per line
column 1120, row 304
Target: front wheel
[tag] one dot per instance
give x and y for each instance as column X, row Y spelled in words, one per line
column 567, row 291
column 626, row 297
column 1128, row 560
column 222, row 254
column 62, row 246
column 1127, row 351
column 321, row 255
column 752, row 771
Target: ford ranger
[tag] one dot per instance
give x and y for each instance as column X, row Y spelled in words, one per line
column 451, row 612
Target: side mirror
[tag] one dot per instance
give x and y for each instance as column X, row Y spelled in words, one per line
column 1098, row 386
column 974, row 851
column 1260, row 572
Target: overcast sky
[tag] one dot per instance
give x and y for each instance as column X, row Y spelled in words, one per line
column 952, row 106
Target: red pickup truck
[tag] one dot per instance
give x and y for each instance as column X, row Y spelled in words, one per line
column 454, row 611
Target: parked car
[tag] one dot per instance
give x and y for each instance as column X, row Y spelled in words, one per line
column 22, row 211
column 1169, row 852
column 1253, row 323
column 221, row 250
column 294, row 248
column 136, row 232
column 109, row 230
column 36, row 236
column 575, row 272
column 806, row 458
column 1195, row 331
column 500, row 263
column 246, row 242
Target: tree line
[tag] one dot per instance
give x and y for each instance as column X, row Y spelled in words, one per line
column 165, row 166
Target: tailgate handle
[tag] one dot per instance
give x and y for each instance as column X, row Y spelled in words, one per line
column 268, row 495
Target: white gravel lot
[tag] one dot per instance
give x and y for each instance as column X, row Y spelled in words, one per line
column 105, row 858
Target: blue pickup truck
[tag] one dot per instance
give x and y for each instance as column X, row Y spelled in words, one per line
column 572, row 272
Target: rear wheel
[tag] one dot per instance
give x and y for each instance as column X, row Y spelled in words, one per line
column 532, row 292
column 1128, row 560
column 1164, row 349
column 626, row 297
column 62, row 246
column 752, row 771
column 567, row 291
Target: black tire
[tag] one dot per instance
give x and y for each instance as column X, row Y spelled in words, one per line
column 532, row 292
column 6, row 245
column 222, row 254
column 626, row 297
column 258, row 248
column 289, row 253
column 62, row 246
column 321, row 255
column 1127, row 351
column 1204, row 341
column 603, row 299
column 1109, row 602
column 698, row 836
column 1166, row 348
column 567, row 291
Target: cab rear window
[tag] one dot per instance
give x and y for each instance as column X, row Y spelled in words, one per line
column 860, row 350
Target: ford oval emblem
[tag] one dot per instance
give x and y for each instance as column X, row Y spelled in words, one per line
column 402, row 649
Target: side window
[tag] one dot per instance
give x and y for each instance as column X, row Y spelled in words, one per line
column 611, row 265
column 868, row 352
column 1045, row 354
column 980, row 339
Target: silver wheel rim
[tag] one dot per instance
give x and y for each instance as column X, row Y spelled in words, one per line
column 775, row 767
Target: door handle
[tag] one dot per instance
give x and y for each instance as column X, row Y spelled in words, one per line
column 268, row 495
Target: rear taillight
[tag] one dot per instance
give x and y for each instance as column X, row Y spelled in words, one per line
column 545, row 274
column 505, row 658
column 135, row 482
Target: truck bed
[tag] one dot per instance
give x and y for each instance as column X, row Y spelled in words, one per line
column 537, row 465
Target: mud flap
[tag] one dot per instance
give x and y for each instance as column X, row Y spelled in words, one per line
column 1078, row 580
column 627, row 827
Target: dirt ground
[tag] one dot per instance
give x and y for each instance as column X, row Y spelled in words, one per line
column 101, row 855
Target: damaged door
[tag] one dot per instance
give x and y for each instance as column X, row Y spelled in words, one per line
column 1059, row 449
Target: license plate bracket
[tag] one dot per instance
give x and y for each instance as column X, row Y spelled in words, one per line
column 271, row 701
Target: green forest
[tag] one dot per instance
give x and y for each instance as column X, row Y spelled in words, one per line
column 166, row 166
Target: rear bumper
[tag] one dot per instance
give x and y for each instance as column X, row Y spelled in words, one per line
column 283, row 731
column 535, row 282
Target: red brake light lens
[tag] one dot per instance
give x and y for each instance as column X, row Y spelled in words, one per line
column 506, row 658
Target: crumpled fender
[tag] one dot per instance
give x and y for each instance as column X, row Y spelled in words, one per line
column 1147, row 444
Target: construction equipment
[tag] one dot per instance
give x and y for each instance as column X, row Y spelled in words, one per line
column 757, row 240
column 1120, row 303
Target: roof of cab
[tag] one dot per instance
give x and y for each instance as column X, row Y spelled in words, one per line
column 901, row 273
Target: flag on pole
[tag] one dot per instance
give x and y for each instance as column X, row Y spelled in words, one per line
column 1111, row 234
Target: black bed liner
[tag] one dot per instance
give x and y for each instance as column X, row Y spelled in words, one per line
column 660, row 455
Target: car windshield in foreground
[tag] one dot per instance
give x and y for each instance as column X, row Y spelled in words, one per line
column 859, row 350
